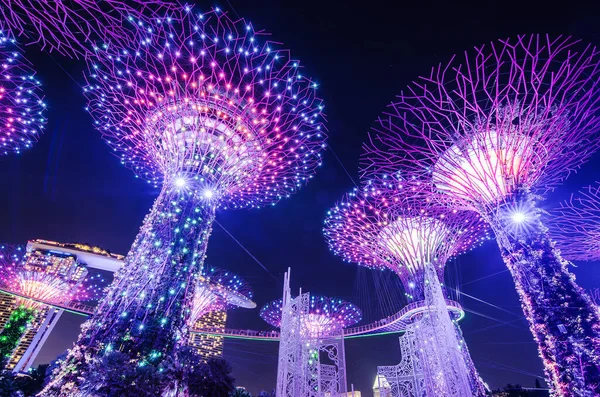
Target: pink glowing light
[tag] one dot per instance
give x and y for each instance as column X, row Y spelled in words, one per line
column 22, row 109
column 397, row 225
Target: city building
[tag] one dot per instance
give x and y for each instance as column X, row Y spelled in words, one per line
column 209, row 346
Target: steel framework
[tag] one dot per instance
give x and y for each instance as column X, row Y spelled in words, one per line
column 434, row 362
column 405, row 379
column 309, row 365
column 575, row 225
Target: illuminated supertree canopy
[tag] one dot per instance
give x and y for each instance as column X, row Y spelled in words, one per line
column 219, row 289
column 73, row 27
column 325, row 315
column 401, row 228
column 489, row 131
column 222, row 118
column 575, row 225
column 22, row 109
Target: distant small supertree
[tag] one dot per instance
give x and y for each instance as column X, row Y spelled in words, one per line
column 403, row 229
column 325, row 315
column 217, row 290
column 74, row 27
column 22, row 109
column 34, row 289
column 218, row 117
column 575, row 225
column 490, row 132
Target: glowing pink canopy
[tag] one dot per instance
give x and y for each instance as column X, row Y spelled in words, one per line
column 22, row 109
column 209, row 100
column 398, row 225
column 519, row 113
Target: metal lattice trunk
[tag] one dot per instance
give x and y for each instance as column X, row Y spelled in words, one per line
column 444, row 368
column 162, row 266
column 405, row 379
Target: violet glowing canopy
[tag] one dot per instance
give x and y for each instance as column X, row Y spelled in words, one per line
column 73, row 27
column 575, row 225
column 398, row 226
column 324, row 315
column 37, row 286
column 22, row 109
column 221, row 118
column 513, row 113
column 219, row 289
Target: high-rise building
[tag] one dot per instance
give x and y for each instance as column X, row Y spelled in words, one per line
column 72, row 262
column 209, row 346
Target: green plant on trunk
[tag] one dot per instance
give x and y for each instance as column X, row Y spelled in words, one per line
column 13, row 331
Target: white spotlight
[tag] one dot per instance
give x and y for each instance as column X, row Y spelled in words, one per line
column 518, row 217
column 180, row 182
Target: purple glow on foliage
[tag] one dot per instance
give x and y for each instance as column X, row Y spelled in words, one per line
column 219, row 117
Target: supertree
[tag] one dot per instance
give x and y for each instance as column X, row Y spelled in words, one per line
column 222, row 119
column 219, row 289
column 73, row 27
column 325, row 316
column 491, row 132
column 35, row 289
column 22, row 107
column 575, row 225
column 401, row 228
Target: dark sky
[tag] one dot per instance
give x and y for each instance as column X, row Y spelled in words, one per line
column 70, row 188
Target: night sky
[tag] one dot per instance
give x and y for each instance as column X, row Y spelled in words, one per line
column 70, row 188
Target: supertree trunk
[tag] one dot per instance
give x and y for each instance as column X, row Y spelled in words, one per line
column 563, row 320
column 444, row 367
column 477, row 385
column 145, row 311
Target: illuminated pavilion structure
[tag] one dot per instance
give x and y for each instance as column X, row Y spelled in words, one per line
column 312, row 361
